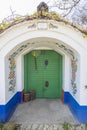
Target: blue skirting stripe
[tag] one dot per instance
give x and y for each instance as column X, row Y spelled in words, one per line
column 79, row 112
column 7, row 110
column 66, row 97
column 20, row 97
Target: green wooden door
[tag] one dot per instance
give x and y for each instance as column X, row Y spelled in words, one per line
column 43, row 74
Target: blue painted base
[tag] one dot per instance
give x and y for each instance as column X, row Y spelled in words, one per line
column 7, row 110
column 79, row 112
column 20, row 97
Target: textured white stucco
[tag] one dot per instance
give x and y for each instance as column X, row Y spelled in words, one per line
column 45, row 38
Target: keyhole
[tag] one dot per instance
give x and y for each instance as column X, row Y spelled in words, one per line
column 46, row 84
column 46, row 62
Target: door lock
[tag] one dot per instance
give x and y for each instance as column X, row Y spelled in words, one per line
column 46, row 83
column 46, row 62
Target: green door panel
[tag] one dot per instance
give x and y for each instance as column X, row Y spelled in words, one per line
column 43, row 74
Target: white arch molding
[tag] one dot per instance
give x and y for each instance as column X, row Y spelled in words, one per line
column 60, row 38
column 20, row 62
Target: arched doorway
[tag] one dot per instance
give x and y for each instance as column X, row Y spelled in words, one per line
column 42, row 34
column 43, row 73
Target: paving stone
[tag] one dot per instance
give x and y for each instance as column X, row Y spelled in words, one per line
column 28, row 126
column 55, row 127
column 43, row 114
column 23, row 128
column 60, row 127
column 50, row 127
column 35, row 127
column 81, row 127
column 46, row 126
column 41, row 126
column 43, row 111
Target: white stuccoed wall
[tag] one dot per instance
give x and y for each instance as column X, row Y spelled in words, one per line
column 22, row 33
column 2, row 80
column 83, row 73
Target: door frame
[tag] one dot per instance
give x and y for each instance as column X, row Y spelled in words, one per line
column 60, row 72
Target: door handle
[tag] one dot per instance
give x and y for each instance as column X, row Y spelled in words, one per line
column 46, row 83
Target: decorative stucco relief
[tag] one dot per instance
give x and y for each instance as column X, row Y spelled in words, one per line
column 32, row 26
column 42, row 26
column 52, row 26
column 66, row 49
column 12, row 66
column 74, row 66
column 12, row 74
column 74, row 70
